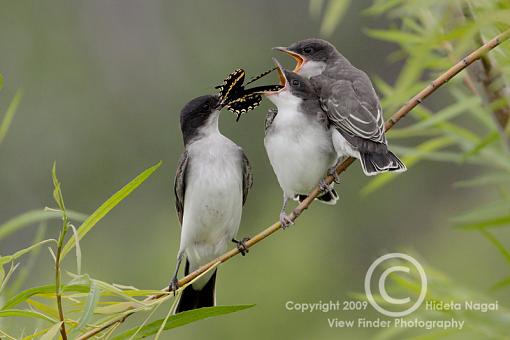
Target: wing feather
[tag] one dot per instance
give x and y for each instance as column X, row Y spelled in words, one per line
column 180, row 184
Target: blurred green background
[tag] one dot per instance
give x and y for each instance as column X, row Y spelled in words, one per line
column 103, row 85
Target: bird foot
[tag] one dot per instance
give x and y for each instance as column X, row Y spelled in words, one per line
column 324, row 187
column 285, row 221
column 332, row 172
column 241, row 245
column 174, row 285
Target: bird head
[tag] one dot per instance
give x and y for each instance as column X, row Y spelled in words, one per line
column 293, row 86
column 199, row 113
column 311, row 55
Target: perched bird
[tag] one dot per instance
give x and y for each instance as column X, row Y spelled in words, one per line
column 211, row 185
column 350, row 102
column 298, row 141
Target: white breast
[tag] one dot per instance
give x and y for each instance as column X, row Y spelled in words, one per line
column 300, row 150
column 213, row 198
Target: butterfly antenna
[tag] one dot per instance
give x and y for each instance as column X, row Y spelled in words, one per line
column 263, row 74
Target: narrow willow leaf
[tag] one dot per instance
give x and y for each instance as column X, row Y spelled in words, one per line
column 409, row 161
column 489, row 179
column 315, row 8
column 395, row 36
column 485, row 142
column 334, row 13
column 501, row 221
column 181, row 319
column 382, row 6
column 9, row 115
column 107, row 206
column 78, row 249
column 115, row 308
column 88, row 309
column 483, row 212
column 5, row 280
column 47, row 289
column 25, row 314
column 501, row 284
column 115, row 291
column 52, row 332
column 447, row 113
column 33, row 216
column 9, row 258
column 44, row 308
column 496, row 243
column 30, row 263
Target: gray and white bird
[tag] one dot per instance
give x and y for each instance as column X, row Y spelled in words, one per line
column 298, row 141
column 211, row 186
column 350, row 102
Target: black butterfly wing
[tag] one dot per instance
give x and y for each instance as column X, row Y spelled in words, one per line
column 244, row 104
column 232, row 86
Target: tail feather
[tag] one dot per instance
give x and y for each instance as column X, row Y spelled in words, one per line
column 328, row 197
column 192, row 298
column 374, row 163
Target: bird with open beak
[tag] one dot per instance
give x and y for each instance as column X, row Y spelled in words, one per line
column 350, row 103
column 211, row 186
column 298, row 140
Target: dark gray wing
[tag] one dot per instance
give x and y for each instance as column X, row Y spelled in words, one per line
column 180, row 184
column 247, row 176
column 352, row 107
column 271, row 113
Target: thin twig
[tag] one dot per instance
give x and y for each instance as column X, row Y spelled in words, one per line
column 404, row 110
column 59, row 199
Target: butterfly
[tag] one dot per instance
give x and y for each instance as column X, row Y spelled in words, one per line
column 239, row 100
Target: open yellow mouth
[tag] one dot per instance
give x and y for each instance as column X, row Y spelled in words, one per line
column 281, row 78
column 297, row 57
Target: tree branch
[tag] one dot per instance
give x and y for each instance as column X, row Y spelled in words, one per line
column 403, row 111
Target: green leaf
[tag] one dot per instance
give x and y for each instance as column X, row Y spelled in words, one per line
column 501, row 221
column 9, row 258
column 52, row 332
column 496, row 243
column 488, row 140
column 315, row 8
column 181, row 319
column 47, row 289
column 335, row 11
column 116, row 308
column 33, row 216
column 50, row 310
column 9, row 115
column 446, row 113
column 422, row 150
column 395, row 36
column 29, row 264
column 88, row 310
column 107, row 206
column 489, row 179
column 501, row 284
column 24, row 314
column 57, row 192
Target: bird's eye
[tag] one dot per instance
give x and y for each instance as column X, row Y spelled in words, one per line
column 295, row 82
column 206, row 106
column 308, row 50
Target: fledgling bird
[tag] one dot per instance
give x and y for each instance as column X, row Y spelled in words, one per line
column 298, row 141
column 211, row 186
column 350, row 102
